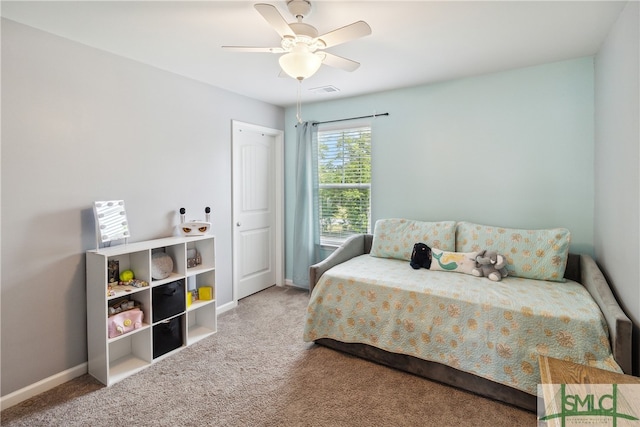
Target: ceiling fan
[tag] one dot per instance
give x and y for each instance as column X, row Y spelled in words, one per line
column 301, row 46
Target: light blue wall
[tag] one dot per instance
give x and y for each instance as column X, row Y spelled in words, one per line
column 513, row 149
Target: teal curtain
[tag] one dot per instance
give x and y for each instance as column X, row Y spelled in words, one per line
column 306, row 226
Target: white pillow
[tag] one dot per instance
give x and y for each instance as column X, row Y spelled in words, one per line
column 460, row 262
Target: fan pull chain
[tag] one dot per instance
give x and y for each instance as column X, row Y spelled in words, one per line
column 299, row 102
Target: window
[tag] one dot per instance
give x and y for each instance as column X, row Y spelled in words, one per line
column 344, row 182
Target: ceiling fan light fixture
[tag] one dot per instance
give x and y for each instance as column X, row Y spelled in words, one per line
column 300, row 63
column 303, row 48
column 299, row 8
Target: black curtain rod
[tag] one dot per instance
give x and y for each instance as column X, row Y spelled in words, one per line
column 351, row 118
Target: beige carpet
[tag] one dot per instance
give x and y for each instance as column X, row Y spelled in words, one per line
column 257, row 371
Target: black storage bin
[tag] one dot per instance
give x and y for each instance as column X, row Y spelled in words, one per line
column 167, row 336
column 168, row 300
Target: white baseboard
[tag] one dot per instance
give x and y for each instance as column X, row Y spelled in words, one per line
column 226, row 307
column 41, row 386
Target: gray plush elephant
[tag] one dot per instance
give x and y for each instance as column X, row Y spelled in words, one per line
column 490, row 264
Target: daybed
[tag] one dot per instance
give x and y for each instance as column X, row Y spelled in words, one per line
column 466, row 331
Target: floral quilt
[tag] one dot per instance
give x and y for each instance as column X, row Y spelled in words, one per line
column 495, row 330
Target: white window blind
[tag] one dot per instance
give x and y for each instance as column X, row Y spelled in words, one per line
column 344, row 177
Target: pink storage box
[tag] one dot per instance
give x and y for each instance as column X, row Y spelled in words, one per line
column 124, row 322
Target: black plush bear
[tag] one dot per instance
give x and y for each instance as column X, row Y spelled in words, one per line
column 421, row 256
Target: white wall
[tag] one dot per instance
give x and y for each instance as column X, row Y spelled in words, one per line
column 513, row 149
column 80, row 125
column 617, row 161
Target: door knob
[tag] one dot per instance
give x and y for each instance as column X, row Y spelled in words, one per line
column 238, row 224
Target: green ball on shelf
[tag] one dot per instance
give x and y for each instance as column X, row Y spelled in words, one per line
column 126, row 276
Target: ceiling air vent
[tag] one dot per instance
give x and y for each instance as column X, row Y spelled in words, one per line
column 324, row 89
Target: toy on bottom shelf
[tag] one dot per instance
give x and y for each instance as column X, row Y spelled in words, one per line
column 490, row 264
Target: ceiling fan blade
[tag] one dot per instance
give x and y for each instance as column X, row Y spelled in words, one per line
column 345, row 34
column 275, row 19
column 339, row 62
column 253, row 49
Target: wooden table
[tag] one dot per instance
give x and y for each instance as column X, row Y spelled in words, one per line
column 556, row 371
column 607, row 401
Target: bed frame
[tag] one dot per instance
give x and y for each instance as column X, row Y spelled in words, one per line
column 580, row 268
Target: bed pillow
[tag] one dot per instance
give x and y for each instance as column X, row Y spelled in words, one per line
column 531, row 254
column 459, row 262
column 395, row 237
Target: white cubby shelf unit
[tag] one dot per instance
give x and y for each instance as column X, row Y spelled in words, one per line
column 113, row 359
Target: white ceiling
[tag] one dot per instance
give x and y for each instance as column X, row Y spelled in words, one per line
column 412, row 42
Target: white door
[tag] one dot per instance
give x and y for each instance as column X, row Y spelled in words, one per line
column 257, row 208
